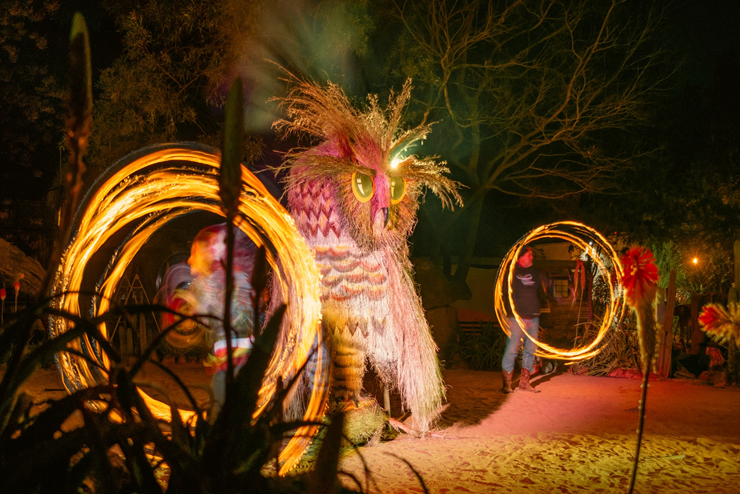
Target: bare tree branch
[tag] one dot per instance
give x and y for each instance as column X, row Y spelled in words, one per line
column 531, row 90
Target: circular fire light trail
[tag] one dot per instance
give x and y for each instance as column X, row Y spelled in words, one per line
column 143, row 192
column 595, row 246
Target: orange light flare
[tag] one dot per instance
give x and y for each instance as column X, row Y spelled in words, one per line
column 144, row 193
column 599, row 250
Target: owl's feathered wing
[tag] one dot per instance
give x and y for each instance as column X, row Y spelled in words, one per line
column 419, row 379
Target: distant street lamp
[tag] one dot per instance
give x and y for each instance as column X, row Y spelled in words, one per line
column 695, row 260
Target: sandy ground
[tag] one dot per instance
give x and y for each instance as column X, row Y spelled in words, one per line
column 577, row 436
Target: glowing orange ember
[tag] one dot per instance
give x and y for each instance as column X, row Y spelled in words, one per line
column 155, row 186
column 598, row 249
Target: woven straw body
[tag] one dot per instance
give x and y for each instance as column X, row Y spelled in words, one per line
column 371, row 312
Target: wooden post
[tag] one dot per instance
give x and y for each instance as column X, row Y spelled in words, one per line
column 697, row 335
column 589, row 293
column 129, row 336
column 122, row 340
column 143, row 337
column 665, row 338
column 736, row 249
column 387, row 399
column 733, row 297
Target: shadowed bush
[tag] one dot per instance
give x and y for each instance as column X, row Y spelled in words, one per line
column 480, row 351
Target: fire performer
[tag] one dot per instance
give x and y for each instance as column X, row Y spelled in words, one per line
column 525, row 294
column 207, row 261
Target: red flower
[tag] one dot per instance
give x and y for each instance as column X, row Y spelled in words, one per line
column 722, row 324
column 17, row 286
column 710, row 316
column 2, row 293
column 640, row 274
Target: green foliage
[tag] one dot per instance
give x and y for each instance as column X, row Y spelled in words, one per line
column 669, row 257
column 620, row 349
column 171, row 81
column 481, row 351
column 683, row 200
column 30, row 98
column 713, row 272
column 205, row 455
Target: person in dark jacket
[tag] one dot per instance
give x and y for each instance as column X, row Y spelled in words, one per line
column 525, row 294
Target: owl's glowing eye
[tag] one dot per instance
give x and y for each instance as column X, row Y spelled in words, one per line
column 363, row 186
column 398, row 189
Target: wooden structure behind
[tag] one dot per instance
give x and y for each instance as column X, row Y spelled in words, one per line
column 133, row 338
column 697, row 335
column 665, row 338
column 563, row 319
column 566, row 320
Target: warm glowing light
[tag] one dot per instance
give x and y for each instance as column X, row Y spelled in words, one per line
column 587, row 240
column 142, row 193
column 695, row 260
column 395, row 162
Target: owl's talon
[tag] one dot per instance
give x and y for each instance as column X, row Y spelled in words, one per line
column 347, row 405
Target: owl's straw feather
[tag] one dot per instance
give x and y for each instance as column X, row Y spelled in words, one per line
column 348, row 137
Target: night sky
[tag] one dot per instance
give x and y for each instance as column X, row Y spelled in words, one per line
column 702, row 34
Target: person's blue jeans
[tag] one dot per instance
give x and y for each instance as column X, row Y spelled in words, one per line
column 513, row 342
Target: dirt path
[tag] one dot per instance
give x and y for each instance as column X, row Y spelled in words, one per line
column 576, row 436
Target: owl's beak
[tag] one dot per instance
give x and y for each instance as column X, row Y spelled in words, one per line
column 385, row 216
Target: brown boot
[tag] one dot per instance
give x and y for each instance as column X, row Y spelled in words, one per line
column 524, row 382
column 507, row 381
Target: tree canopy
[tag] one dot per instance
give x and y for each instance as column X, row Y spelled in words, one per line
column 684, row 200
column 535, row 99
column 30, row 98
column 171, row 81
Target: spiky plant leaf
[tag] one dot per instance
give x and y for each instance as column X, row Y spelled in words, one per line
column 15, row 376
column 232, row 425
column 229, row 180
column 42, row 428
column 79, row 99
column 324, row 478
column 259, row 281
column 20, row 408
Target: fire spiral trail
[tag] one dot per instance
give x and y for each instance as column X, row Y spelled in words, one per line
column 599, row 250
column 144, row 191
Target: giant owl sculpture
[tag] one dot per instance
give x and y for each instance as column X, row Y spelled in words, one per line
column 353, row 196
